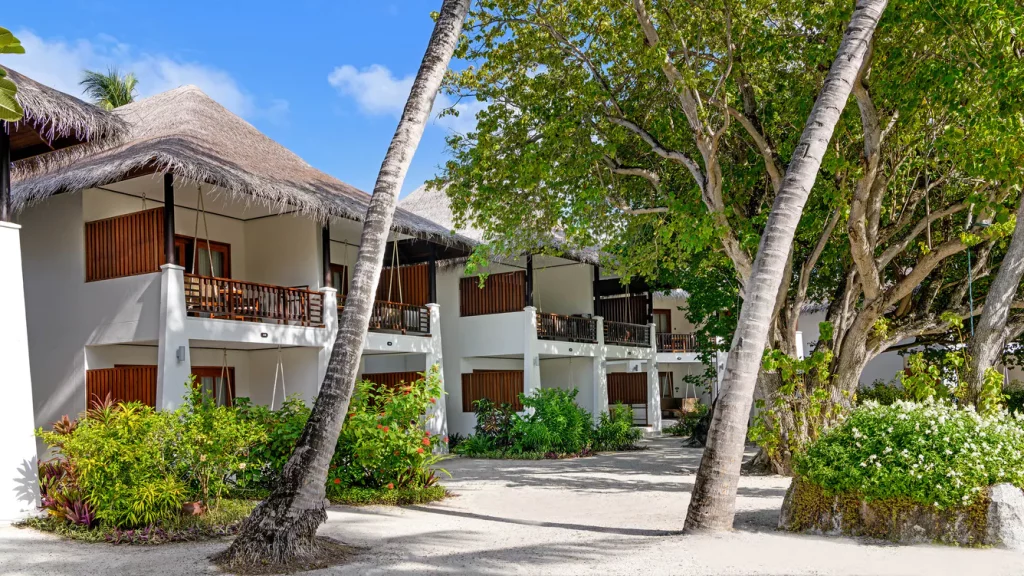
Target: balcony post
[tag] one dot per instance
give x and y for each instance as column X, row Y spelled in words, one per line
column 330, row 319
column 432, row 275
column 597, row 290
column 600, row 373
column 6, row 212
column 650, row 306
column 531, row 353
column 653, row 388
column 174, row 364
column 170, row 255
column 325, row 252
column 437, row 416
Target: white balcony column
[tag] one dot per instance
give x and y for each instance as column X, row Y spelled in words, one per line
column 173, row 363
column 531, row 352
column 653, row 389
column 330, row 308
column 799, row 345
column 720, row 358
column 600, row 373
column 19, row 485
column 437, row 416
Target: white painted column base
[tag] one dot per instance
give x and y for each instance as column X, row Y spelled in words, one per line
column 600, row 374
column 437, row 415
column 653, row 388
column 19, row 482
column 531, row 353
column 173, row 364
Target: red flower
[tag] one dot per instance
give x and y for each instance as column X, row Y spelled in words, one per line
column 433, row 400
column 396, row 452
column 427, row 434
column 337, row 480
column 385, row 428
column 445, row 439
column 391, row 486
column 426, row 442
column 420, row 450
column 379, row 426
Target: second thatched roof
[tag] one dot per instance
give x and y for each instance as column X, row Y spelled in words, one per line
column 187, row 133
column 55, row 115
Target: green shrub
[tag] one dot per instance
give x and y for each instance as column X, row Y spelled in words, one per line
column 385, row 496
column 383, row 442
column 615, row 430
column 282, row 428
column 494, row 423
column 122, row 464
column 476, row 445
column 882, row 393
column 210, row 443
column 552, row 422
column 687, row 424
column 931, row 453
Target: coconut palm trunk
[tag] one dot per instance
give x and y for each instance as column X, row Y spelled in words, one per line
column 713, row 503
column 989, row 338
column 282, row 529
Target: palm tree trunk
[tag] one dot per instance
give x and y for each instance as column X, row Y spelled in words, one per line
column 282, row 529
column 989, row 337
column 713, row 504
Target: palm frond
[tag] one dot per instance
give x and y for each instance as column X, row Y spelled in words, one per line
column 110, row 90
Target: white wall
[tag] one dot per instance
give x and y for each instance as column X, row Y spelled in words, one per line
column 380, row 363
column 680, row 325
column 561, row 288
column 884, row 367
column 569, row 373
column 283, row 251
column 300, row 375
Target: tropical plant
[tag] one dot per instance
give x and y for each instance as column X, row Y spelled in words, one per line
column 687, row 424
column 10, row 109
column 615, row 430
column 931, row 453
column 282, row 529
column 493, row 423
column 110, row 90
column 552, row 423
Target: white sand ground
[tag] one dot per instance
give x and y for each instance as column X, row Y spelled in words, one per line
column 611, row 514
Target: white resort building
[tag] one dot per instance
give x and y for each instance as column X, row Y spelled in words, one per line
column 182, row 241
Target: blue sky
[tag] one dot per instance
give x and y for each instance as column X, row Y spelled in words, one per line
column 325, row 79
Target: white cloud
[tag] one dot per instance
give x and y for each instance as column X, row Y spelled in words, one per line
column 60, row 64
column 376, row 91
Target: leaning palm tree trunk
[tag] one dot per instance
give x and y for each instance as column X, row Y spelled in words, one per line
column 282, row 529
column 990, row 336
column 713, row 504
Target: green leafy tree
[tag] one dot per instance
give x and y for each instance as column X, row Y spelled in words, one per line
column 663, row 151
column 110, row 90
column 10, row 110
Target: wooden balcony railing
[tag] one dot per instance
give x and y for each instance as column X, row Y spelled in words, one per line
column 567, row 328
column 626, row 334
column 249, row 301
column 397, row 317
column 676, row 342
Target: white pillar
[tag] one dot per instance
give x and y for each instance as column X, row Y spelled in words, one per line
column 531, row 352
column 437, row 417
column 653, row 389
column 19, row 484
column 600, row 373
column 799, row 345
column 720, row 358
column 330, row 303
column 173, row 364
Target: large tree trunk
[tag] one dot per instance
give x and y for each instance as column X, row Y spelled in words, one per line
column 989, row 336
column 713, row 504
column 282, row 529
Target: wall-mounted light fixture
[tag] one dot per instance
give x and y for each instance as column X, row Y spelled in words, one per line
column 264, row 334
column 180, row 353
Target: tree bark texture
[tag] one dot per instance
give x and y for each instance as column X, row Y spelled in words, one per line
column 713, row 502
column 282, row 529
column 989, row 338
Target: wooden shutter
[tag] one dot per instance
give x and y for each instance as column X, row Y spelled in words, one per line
column 405, row 284
column 504, row 292
column 498, row 386
column 124, row 245
column 630, row 309
column 123, row 383
column 393, row 379
column 627, row 388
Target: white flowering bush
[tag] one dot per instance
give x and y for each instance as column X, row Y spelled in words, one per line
column 932, row 453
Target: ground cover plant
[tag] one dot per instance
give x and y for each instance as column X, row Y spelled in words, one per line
column 551, row 425
column 687, row 423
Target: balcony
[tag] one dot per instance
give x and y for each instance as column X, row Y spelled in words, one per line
column 566, row 328
column 209, row 297
column 398, row 318
column 626, row 334
column 677, row 342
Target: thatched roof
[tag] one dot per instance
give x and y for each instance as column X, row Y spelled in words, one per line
column 54, row 119
column 186, row 132
column 433, row 204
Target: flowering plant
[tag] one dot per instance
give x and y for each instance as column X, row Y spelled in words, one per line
column 931, row 452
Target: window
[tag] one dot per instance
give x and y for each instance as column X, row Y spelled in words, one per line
column 216, row 382
column 339, row 280
column 663, row 321
column 213, row 260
